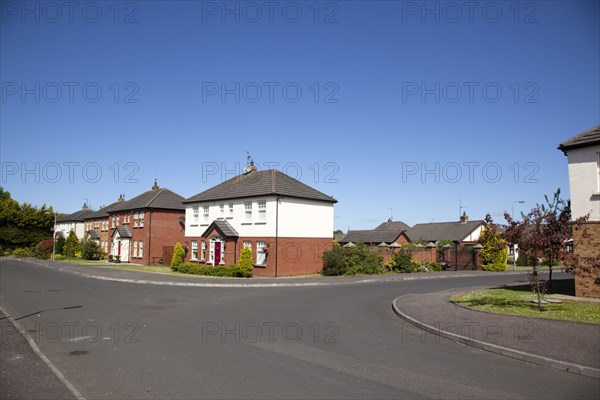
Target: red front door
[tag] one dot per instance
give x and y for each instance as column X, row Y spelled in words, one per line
column 217, row 253
column 119, row 249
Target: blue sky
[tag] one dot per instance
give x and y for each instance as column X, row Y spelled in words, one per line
column 409, row 106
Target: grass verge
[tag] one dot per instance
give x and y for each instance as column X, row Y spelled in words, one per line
column 517, row 301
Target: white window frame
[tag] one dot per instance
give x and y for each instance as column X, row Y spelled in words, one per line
column 141, row 249
column 222, row 210
column 203, row 253
column 194, row 250
column 262, row 211
column 247, row 211
column 134, row 251
column 195, row 215
column 206, row 214
column 141, row 219
column 248, row 244
column 261, row 256
column 230, row 210
column 135, row 219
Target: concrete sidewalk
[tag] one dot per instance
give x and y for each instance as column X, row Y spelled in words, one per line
column 119, row 275
column 570, row 346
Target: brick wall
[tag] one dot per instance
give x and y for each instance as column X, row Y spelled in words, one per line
column 296, row 256
column 586, row 243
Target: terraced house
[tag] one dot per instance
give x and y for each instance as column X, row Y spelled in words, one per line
column 285, row 222
column 72, row 222
column 96, row 225
column 144, row 230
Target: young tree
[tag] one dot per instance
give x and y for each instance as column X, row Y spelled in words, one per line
column 178, row 255
column 543, row 232
column 494, row 253
column 71, row 245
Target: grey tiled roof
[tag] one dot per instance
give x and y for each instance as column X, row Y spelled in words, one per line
column 392, row 226
column 103, row 212
column 77, row 216
column 123, row 231
column 590, row 137
column 371, row 236
column 160, row 198
column 435, row 231
column 261, row 183
column 94, row 234
column 222, row 226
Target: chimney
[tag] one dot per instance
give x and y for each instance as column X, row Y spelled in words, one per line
column 390, row 219
column 121, row 198
column 155, row 186
column 464, row 218
column 85, row 207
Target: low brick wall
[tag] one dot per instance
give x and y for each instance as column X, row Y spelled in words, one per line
column 586, row 243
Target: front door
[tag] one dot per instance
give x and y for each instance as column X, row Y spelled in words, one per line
column 217, row 260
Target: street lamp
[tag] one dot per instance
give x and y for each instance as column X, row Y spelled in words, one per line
column 512, row 213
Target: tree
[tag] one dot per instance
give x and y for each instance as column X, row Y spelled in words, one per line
column 245, row 262
column 178, row 255
column 543, row 232
column 494, row 253
column 90, row 250
column 71, row 246
column 23, row 225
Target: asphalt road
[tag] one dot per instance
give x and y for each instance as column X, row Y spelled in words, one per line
column 120, row 340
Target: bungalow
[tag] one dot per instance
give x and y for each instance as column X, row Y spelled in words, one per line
column 583, row 152
column 72, row 222
column 388, row 232
column 286, row 223
column 464, row 234
column 145, row 229
column 96, row 225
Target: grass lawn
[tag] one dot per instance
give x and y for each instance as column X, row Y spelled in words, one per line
column 530, row 268
column 517, row 301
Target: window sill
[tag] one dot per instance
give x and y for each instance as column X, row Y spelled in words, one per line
column 259, row 265
column 260, row 223
column 246, row 223
column 228, row 217
column 193, row 225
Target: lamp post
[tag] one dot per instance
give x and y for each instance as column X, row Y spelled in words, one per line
column 512, row 213
column 54, row 239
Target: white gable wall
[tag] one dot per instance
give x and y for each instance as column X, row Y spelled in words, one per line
column 584, row 182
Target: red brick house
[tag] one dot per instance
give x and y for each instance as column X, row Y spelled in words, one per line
column 144, row 230
column 286, row 223
column 96, row 225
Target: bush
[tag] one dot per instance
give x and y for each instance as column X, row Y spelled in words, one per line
column 244, row 266
column 90, row 250
column 352, row 261
column 178, row 255
column 403, row 262
column 60, row 245
column 434, row 266
column 44, row 249
column 58, row 257
column 71, row 246
column 191, row 267
column 21, row 253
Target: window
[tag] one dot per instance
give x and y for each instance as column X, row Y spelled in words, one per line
column 135, row 249
column 141, row 218
column 206, row 214
column 135, row 219
column 248, row 211
column 230, row 210
column 194, row 249
column 248, row 244
column 195, row 215
column 113, row 221
column 141, row 249
column 261, row 254
column 262, row 211
column 222, row 210
column 203, row 254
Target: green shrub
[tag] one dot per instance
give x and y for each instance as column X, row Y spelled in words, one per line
column 434, row 266
column 352, row 261
column 178, row 255
column 58, row 257
column 403, row 262
column 90, row 250
column 21, row 253
column 60, row 245
column 244, row 266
